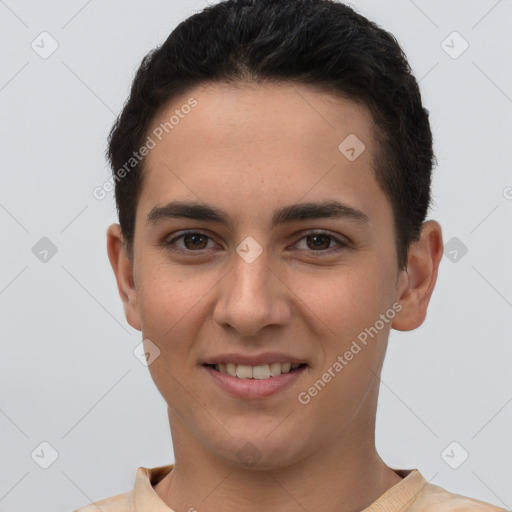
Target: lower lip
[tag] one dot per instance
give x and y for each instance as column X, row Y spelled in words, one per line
column 254, row 388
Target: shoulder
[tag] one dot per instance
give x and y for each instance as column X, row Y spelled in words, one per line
column 433, row 498
column 118, row 503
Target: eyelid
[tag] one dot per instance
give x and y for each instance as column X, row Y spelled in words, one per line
column 340, row 241
column 181, row 234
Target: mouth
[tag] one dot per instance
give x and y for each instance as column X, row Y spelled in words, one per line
column 259, row 381
column 258, row 372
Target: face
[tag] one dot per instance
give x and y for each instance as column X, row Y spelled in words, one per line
column 263, row 248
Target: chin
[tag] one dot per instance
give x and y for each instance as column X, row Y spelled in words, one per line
column 261, row 452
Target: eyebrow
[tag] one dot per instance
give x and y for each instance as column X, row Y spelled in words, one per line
column 284, row 215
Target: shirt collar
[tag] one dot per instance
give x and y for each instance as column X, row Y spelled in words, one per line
column 145, row 497
column 402, row 495
column 398, row 498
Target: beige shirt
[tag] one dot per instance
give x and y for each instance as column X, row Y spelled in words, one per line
column 412, row 494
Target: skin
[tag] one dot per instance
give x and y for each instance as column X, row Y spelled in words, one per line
column 248, row 150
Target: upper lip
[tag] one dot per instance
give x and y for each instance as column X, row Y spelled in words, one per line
column 254, row 360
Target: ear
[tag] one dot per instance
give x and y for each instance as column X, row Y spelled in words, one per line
column 123, row 270
column 416, row 283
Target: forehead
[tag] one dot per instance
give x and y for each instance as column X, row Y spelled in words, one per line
column 276, row 142
column 231, row 115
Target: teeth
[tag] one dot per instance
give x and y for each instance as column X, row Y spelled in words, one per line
column 275, row 369
column 231, row 369
column 259, row 372
column 244, row 372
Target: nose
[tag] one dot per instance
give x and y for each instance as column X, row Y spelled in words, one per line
column 251, row 297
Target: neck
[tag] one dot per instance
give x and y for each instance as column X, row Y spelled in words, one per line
column 345, row 476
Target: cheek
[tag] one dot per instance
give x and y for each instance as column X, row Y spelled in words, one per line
column 169, row 305
column 351, row 306
column 173, row 304
column 353, row 300
column 165, row 294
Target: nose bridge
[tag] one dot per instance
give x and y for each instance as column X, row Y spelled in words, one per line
column 250, row 280
column 250, row 297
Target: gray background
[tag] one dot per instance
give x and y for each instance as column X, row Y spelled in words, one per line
column 68, row 374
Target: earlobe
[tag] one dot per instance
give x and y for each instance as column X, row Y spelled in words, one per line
column 416, row 283
column 122, row 266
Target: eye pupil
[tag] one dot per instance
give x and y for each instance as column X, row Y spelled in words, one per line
column 318, row 243
column 196, row 239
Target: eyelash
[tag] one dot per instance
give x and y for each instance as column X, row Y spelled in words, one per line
column 341, row 245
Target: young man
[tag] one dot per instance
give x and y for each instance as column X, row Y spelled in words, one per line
column 272, row 169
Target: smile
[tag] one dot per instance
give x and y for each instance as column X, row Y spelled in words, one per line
column 255, row 381
column 258, row 372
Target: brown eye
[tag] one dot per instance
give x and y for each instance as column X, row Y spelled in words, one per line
column 319, row 241
column 193, row 241
column 196, row 241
